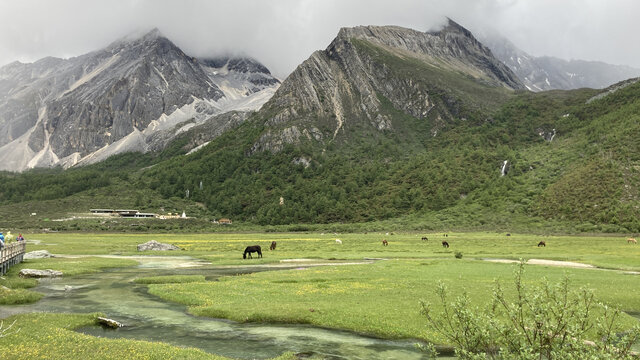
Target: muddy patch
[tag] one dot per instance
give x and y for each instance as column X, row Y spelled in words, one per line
column 569, row 264
column 558, row 263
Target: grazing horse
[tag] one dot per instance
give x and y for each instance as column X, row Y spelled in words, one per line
column 445, row 244
column 542, row 243
column 273, row 245
column 508, row 234
column 632, row 241
column 252, row 249
column 424, row 238
column 385, row 242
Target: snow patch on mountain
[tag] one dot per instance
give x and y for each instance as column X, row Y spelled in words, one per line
column 134, row 142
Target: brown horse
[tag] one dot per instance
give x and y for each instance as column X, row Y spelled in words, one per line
column 273, row 245
column 252, row 249
column 385, row 242
column 542, row 243
column 445, row 244
column 632, row 241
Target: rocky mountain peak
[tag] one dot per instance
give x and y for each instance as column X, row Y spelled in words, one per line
column 365, row 70
column 453, row 45
column 241, row 64
column 452, row 27
column 115, row 99
column 153, row 34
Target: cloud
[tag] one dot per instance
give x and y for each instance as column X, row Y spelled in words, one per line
column 283, row 33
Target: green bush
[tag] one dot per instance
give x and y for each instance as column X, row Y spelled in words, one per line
column 548, row 321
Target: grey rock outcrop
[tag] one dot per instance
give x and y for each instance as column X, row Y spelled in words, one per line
column 345, row 86
column 38, row 254
column 198, row 135
column 110, row 323
column 157, row 246
column 32, row 273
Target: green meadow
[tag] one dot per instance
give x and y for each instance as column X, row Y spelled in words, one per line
column 379, row 297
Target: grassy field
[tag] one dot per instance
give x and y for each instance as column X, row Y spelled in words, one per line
column 602, row 251
column 380, row 299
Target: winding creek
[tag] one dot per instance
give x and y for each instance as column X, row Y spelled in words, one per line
column 149, row 318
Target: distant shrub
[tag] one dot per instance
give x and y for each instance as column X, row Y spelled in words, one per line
column 295, row 228
column 458, row 255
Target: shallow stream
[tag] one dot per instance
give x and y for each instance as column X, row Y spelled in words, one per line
column 149, row 318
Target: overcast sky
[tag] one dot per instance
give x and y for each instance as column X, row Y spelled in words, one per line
column 283, row 33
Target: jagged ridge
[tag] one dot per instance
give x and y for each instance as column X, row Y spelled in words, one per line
column 340, row 88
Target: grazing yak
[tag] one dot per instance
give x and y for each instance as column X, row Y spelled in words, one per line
column 273, row 245
column 252, row 249
column 385, row 242
column 338, row 241
column 445, row 244
column 542, row 243
column 424, row 238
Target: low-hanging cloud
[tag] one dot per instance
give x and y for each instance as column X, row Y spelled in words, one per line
column 283, row 33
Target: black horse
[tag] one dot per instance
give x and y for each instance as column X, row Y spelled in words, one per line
column 252, row 249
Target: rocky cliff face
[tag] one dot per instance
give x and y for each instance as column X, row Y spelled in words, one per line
column 349, row 84
column 548, row 73
column 84, row 109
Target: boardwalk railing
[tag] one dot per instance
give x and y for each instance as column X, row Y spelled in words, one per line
column 11, row 254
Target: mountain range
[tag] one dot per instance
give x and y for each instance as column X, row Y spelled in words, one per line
column 548, row 73
column 137, row 94
column 117, row 99
column 427, row 128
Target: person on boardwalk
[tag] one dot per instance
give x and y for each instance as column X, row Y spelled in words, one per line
column 1, row 240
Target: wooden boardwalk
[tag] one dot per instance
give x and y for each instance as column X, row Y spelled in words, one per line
column 11, row 254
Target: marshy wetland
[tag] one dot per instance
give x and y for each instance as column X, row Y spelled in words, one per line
column 311, row 296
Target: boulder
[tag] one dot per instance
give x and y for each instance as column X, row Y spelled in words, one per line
column 110, row 323
column 38, row 254
column 154, row 245
column 32, row 273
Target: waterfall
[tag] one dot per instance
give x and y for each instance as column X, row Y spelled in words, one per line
column 552, row 136
column 503, row 171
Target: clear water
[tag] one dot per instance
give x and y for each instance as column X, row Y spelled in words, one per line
column 148, row 318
